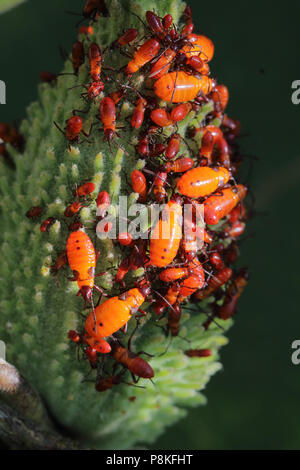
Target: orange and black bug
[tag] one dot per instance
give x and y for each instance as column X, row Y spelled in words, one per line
column 82, row 261
column 174, row 274
column 47, row 224
column 232, row 295
column 142, row 56
column 216, row 260
column 167, row 21
column 202, row 181
column 220, row 96
column 180, row 111
column 238, row 213
column 235, row 230
column 139, row 184
column 34, row 212
column 102, row 202
column 85, row 189
column 95, row 60
column 173, row 146
column 135, row 364
column 198, row 65
column 200, row 46
column 218, row 206
column 115, row 312
column 72, row 209
column 212, row 136
column 190, row 285
column 95, row 89
column 77, row 56
column 198, row 352
column 161, row 117
column 60, row 262
column 11, row 136
column 74, row 126
column 138, row 114
column 74, row 226
column 107, row 112
column 179, row 166
column 178, row 87
column 126, row 38
column 143, row 146
column 163, row 64
column 155, row 24
column 217, row 280
column 159, row 184
column 166, row 235
column 97, row 343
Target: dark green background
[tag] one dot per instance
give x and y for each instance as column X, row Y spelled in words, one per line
column 254, row 402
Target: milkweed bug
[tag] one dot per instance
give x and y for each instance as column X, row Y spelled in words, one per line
column 173, row 146
column 139, row 184
column 34, row 212
column 202, row 181
column 218, row 206
column 232, row 295
column 137, row 117
column 115, row 312
column 142, row 56
column 178, row 87
column 82, row 261
column 135, row 364
column 126, row 38
column 47, row 224
column 166, row 235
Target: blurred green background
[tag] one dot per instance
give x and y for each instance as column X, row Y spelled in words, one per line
column 253, row 403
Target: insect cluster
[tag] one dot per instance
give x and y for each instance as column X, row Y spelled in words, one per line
column 185, row 160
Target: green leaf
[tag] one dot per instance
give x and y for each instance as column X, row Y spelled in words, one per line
column 6, row 5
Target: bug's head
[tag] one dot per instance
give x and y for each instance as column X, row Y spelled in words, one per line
column 87, row 294
column 109, row 135
column 144, row 287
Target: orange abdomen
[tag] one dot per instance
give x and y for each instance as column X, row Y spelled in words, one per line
column 114, row 313
column 81, row 257
column 200, row 46
column 180, row 87
column 202, row 181
column 217, row 207
column 144, row 54
column 163, row 64
column 107, row 111
column 166, row 236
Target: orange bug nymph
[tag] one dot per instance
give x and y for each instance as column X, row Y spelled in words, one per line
column 82, row 260
column 115, row 312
